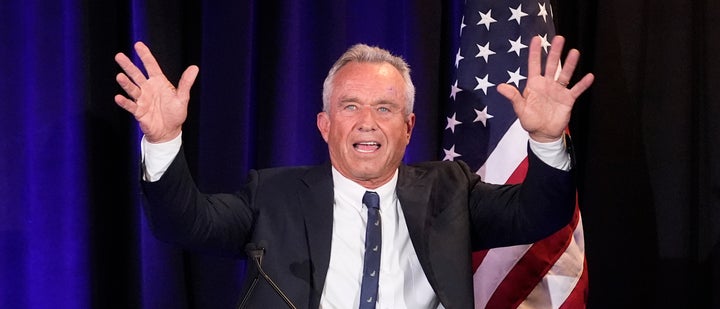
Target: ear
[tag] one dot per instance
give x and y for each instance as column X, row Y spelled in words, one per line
column 323, row 124
column 409, row 125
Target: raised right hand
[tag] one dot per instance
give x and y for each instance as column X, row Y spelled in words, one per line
column 158, row 106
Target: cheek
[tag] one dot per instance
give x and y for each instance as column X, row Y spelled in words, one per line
column 336, row 137
column 401, row 135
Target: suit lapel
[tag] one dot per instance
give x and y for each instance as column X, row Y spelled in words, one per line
column 414, row 194
column 439, row 232
column 316, row 199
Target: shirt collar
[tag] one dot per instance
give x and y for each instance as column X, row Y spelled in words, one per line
column 354, row 191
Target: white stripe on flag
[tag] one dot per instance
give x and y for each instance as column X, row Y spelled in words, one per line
column 492, row 271
column 507, row 156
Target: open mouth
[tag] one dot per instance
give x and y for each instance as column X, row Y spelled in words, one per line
column 366, row 146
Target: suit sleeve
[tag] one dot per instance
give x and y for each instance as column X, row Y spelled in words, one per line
column 179, row 213
column 504, row 215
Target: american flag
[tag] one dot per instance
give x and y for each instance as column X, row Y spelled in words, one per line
column 482, row 130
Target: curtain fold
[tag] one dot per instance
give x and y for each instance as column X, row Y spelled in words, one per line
column 42, row 143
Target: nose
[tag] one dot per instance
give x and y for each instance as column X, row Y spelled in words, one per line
column 367, row 119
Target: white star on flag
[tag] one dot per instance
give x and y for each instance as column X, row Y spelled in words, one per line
column 451, row 123
column 450, row 154
column 486, row 19
column 454, row 89
column 515, row 46
column 482, row 116
column 543, row 11
column 483, row 83
column 544, row 42
column 458, row 57
column 484, row 52
column 515, row 77
column 517, row 14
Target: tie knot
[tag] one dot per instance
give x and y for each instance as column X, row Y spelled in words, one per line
column 371, row 200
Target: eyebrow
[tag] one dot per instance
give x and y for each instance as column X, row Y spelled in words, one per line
column 348, row 99
column 356, row 100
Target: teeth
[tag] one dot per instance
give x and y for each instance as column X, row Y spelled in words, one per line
column 367, row 147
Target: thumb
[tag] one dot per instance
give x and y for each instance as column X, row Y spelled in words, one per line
column 186, row 81
column 512, row 94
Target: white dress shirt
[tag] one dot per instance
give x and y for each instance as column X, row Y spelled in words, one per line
column 403, row 283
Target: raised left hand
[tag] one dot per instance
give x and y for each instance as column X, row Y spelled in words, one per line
column 545, row 105
column 153, row 100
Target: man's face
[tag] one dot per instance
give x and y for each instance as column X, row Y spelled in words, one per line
column 365, row 126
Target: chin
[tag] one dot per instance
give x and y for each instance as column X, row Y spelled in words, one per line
column 365, row 174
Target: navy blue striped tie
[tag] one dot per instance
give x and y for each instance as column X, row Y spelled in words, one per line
column 373, row 244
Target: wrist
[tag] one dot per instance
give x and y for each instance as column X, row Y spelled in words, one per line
column 163, row 138
column 542, row 138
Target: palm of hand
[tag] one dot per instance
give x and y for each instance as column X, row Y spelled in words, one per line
column 158, row 106
column 547, row 108
column 160, row 112
column 545, row 105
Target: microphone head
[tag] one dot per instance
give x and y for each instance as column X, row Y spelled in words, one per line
column 262, row 244
column 254, row 251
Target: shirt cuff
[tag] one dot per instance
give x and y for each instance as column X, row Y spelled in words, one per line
column 157, row 158
column 552, row 153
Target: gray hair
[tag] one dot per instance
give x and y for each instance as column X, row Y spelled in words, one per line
column 371, row 54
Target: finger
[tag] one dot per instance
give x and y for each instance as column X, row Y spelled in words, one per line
column 568, row 67
column 553, row 59
column 126, row 84
column 534, row 60
column 148, row 60
column 186, row 81
column 582, row 85
column 126, row 103
column 512, row 94
column 130, row 69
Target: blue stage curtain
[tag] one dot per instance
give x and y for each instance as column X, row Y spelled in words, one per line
column 45, row 229
column 72, row 229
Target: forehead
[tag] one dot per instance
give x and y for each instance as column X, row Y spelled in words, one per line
column 369, row 79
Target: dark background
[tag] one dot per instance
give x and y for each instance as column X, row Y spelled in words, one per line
column 72, row 232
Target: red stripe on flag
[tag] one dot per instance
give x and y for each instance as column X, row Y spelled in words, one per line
column 519, row 174
column 477, row 258
column 532, row 267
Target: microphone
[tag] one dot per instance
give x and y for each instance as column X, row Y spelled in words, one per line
column 256, row 253
column 252, row 252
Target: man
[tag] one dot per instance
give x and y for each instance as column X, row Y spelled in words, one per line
column 365, row 229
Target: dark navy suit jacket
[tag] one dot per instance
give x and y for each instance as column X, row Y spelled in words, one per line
column 449, row 213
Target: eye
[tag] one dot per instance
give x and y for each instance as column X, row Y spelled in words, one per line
column 350, row 107
column 383, row 109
